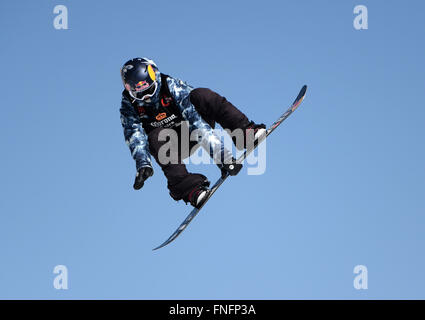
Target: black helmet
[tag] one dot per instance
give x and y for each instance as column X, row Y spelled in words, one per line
column 139, row 78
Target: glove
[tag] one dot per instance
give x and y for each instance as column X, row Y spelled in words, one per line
column 141, row 176
column 251, row 131
column 255, row 126
column 232, row 168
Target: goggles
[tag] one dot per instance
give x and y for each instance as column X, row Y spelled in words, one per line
column 140, row 93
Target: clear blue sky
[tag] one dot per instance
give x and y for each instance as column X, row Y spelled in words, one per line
column 345, row 178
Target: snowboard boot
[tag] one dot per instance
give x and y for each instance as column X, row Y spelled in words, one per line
column 198, row 195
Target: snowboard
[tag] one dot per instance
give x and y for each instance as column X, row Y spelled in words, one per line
column 223, row 178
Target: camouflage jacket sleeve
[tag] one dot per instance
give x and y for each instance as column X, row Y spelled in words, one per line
column 134, row 134
column 206, row 136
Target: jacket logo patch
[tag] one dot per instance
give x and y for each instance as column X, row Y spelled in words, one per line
column 165, row 101
column 168, row 122
column 161, row 116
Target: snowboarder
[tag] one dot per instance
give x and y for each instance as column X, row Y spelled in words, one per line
column 152, row 101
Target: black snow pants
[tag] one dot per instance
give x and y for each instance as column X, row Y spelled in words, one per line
column 212, row 108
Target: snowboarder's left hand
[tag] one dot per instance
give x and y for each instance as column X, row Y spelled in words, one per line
column 141, row 176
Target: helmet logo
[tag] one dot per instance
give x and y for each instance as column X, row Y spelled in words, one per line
column 151, row 72
column 141, row 85
column 161, row 116
column 126, row 68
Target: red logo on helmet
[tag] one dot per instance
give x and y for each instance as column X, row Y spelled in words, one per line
column 141, row 85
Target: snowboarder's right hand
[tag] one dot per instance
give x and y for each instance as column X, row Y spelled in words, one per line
column 141, row 176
